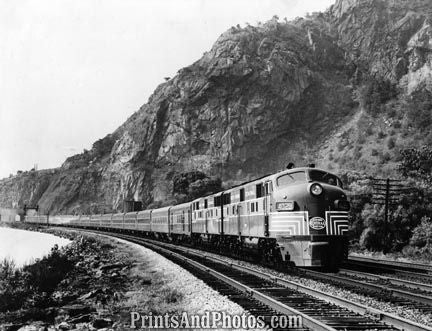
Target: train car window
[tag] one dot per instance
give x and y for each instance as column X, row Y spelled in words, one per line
column 259, row 190
column 226, row 198
column 217, row 201
column 291, row 178
column 242, row 194
column 324, row 177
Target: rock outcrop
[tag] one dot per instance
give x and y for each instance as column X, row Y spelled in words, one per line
column 262, row 96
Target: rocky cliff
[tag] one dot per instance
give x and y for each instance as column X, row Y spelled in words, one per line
column 264, row 95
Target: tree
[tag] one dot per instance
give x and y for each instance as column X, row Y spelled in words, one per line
column 422, row 234
column 103, row 146
column 417, row 164
column 376, row 92
column 419, row 108
column 194, row 184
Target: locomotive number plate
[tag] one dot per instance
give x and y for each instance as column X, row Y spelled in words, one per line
column 317, row 223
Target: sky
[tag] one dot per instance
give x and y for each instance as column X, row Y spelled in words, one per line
column 72, row 71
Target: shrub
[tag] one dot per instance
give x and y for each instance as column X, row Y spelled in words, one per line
column 103, row 146
column 357, row 154
column 373, row 236
column 386, row 157
column 417, row 163
column 340, row 146
column 422, row 234
column 204, row 187
column 421, row 241
column 12, row 293
column 182, row 181
column 376, row 92
column 391, row 143
column 48, row 272
column 35, row 282
column 195, row 184
column 374, row 152
column 418, row 108
column 381, row 135
column 369, row 131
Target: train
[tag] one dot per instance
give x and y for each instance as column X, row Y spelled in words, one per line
column 297, row 216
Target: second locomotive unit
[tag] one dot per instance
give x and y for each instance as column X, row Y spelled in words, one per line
column 299, row 216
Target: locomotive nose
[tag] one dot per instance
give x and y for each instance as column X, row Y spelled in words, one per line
column 342, row 205
column 328, row 197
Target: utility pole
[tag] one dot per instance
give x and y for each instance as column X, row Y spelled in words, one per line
column 387, row 192
column 386, row 208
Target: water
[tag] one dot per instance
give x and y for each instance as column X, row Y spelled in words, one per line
column 25, row 246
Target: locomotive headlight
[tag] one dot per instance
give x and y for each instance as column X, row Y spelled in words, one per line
column 285, row 206
column 316, row 189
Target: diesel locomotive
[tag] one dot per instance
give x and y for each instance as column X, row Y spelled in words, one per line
column 298, row 216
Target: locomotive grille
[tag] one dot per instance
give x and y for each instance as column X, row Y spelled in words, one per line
column 337, row 222
column 291, row 223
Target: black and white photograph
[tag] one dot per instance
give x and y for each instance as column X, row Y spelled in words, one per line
column 216, row 165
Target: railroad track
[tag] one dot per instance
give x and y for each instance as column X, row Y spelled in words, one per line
column 377, row 288
column 409, row 266
column 423, row 288
column 264, row 294
column 399, row 269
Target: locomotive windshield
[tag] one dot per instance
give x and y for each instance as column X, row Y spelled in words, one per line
column 324, row 177
column 291, row 178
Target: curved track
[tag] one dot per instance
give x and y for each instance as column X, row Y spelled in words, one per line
column 410, row 271
column 420, row 288
column 261, row 293
column 376, row 288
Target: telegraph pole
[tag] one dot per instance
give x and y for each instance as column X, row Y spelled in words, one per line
column 387, row 198
column 387, row 192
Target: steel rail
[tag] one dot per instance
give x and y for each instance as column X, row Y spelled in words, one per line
column 374, row 287
column 354, row 265
column 391, row 280
column 394, row 264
